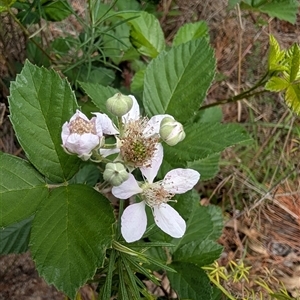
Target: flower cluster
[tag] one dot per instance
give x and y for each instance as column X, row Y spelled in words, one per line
column 138, row 145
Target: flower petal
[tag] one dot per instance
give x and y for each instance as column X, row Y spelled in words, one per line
column 81, row 143
column 153, row 124
column 134, row 112
column 65, row 132
column 179, row 181
column 104, row 123
column 134, row 222
column 169, row 220
column 79, row 114
column 127, row 189
column 107, row 152
column 151, row 172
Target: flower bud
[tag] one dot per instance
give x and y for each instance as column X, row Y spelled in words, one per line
column 171, row 131
column 115, row 173
column 119, row 104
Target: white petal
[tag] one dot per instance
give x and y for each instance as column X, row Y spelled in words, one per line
column 134, row 222
column 104, row 123
column 107, row 152
column 169, row 220
column 127, row 189
column 82, row 144
column 134, row 113
column 151, row 172
column 79, row 114
column 179, row 181
column 153, row 124
column 65, row 132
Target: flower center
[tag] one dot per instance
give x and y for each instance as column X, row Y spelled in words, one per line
column 82, row 126
column 155, row 194
column 137, row 150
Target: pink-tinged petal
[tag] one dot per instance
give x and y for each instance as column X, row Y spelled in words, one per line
column 127, row 189
column 82, row 143
column 153, row 124
column 134, row 112
column 104, row 124
column 134, row 222
column 79, row 114
column 107, row 152
column 151, row 172
column 65, row 132
column 169, row 220
column 179, row 181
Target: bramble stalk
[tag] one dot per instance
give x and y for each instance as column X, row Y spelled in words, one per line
column 27, row 33
column 245, row 94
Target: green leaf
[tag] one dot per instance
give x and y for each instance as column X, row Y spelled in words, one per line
column 137, row 83
column 99, row 94
column 207, row 167
column 190, row 282
column 15, row 238
column 22, row 189
column 295, row 63
column 191, row 31
column 70, row 234
column 89, row 174
column 205, row 139
column 275, row 55
column 40, row 102
column 209, row 115
column 198, row 242
column 146, row 33
column 98, row 75
column 57, row 10
column 232, row 3
column 281, row 9
column 6, row 4
column 179, row 79
column 292, row 97
column 276, row 84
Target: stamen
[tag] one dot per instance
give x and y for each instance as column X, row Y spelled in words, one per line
column 155, row 194
column 82, row 126
column 137, row 150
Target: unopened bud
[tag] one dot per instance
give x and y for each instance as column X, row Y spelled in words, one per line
column 171, row 131
column 115, row 173
column 119, row 104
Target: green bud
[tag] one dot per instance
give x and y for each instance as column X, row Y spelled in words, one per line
column 171, row 131
column 115, row 173
column 119, row 104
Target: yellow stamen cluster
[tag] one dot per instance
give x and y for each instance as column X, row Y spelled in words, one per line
column 136, row 149
column 82, row 126
column 155, row 194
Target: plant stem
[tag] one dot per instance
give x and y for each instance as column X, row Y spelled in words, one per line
column 245, row 94
column 27, row 33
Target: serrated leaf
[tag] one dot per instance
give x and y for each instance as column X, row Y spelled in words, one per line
column 6, row 4
column 15, row 238
column 276, row 84
column 70, row 234
column 190, row 282
column 282, row 9
column 275, row 55
column 179, row 79
column 292, row 97
column 203, row 140
column 191, row 31
column 207, row 167
column 22, row 189
column 99, row 94
column 200, row 253
column 40, row 102
column 210, row 229
column 295, row 63
column 146, row 33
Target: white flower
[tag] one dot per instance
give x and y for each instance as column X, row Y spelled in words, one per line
column 81, row 135
column 155, row 195
column 138, row 142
